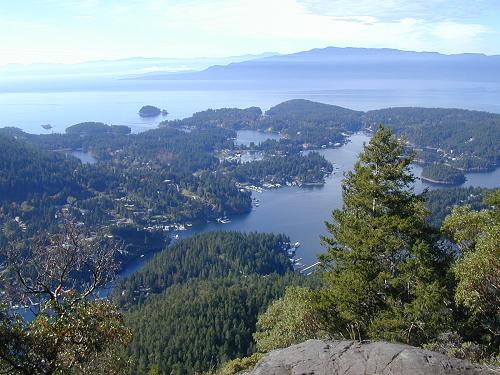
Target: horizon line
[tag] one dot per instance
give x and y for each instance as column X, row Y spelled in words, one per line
column 271, row 53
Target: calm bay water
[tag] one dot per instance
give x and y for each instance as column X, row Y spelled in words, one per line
column 300, row 212
column 85, row 157
column 245, row 137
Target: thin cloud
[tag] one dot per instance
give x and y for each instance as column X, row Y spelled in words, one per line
column 431, row 10
column 191, row 28
column 458, row 31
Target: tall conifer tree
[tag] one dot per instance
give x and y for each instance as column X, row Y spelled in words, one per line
column 381, row 269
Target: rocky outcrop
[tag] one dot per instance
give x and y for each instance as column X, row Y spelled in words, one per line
column 316, row 357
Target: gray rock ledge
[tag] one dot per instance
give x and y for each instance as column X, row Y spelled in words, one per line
column 317, row 357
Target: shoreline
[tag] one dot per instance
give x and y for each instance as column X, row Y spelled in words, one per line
column 441, row 182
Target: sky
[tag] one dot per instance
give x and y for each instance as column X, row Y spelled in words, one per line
column 71, row 31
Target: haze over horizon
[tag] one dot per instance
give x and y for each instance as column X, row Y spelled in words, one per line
column 262, row 54
column 48, row 31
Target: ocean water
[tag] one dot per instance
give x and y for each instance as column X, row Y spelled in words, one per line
column 65, row 102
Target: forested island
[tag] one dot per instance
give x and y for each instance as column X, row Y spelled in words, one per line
column 149, row 111
column 442, row 174
column 284, row 170
column 97, row 128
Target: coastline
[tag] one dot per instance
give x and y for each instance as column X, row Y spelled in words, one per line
column 442, row 182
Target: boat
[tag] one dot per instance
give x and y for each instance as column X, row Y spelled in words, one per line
column 223, row 220
column 296, row 244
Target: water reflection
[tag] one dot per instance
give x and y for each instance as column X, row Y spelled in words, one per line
column 85, row 157
column 246, row 137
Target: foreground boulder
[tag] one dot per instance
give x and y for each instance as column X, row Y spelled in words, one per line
column 316, row 357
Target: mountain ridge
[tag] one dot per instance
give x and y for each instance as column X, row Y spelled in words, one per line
column 351, row 63
column 125, row 66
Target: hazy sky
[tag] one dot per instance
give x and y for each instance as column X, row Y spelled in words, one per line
column 66, row 31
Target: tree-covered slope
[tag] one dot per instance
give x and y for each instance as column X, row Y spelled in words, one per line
column 309, row 111
column 231, row 118
column 207, row 256
column 464, row 139
column 26, row 171
column 442, row 174
column 195, row 305
column 198, row 325
column 440, row 202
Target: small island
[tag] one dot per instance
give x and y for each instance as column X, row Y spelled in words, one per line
column 150, row 111
column 442, row 174
column 97, row 128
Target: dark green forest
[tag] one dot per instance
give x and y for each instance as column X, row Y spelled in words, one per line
column 440, row 202
column 389, row 275
column 28, row 172
column 195, row 305
column 199, row 325
column 467, row 140
column 442, row 174
column 206, row 256
column 311, row 168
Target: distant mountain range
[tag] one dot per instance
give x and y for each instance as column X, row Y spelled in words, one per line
column 124, row 67
column 334, row 63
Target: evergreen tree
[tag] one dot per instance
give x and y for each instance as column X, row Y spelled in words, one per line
column 380, row 267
